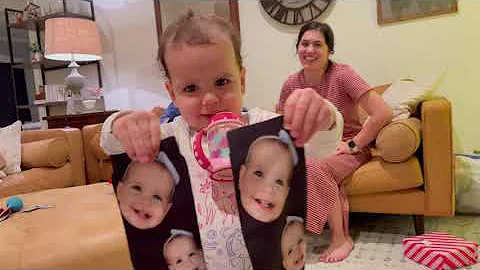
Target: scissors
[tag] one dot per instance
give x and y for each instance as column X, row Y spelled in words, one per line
column 36, row 207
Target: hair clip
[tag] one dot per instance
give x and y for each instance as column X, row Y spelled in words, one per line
column 163, row 158
column 174, row 233
column 285, row 138
column 293, row 219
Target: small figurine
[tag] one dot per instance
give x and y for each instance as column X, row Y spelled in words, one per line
column 32, row 11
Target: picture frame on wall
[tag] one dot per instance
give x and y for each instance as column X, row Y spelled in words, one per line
column 167, row 12
column 389, row 11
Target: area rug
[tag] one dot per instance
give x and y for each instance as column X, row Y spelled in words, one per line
column 378, row 240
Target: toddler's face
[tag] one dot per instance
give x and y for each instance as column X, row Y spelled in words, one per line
column 204, row 80
column 264, row 181
column 143, row 196
column 294, row 246
column 182, row 253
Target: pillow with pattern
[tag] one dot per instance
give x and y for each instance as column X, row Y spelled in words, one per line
column 10, row 147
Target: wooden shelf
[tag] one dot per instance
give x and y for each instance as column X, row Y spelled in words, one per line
column 77, row 120
column 32, row 23
column 48, row 103
column 47, row 64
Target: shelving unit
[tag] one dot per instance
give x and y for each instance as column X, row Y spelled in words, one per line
column 37, row 26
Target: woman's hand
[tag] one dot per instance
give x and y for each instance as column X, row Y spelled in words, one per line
column 139, row 134
column 343, row 148
column 306, row 112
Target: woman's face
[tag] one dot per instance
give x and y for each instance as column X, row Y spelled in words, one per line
column 313, row 51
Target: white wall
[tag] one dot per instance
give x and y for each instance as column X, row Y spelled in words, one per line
column 130, row 73
column 380, row 54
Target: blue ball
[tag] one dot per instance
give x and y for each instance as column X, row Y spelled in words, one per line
column 15, row 203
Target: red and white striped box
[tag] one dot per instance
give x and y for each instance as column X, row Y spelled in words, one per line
column 439, row 250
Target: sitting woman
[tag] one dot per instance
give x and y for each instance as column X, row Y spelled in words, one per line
column 342, row 86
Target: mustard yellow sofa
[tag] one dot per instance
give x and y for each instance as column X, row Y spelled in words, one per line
column 51, row 158
column 420, row 184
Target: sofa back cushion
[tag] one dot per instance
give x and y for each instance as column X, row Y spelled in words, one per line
column 53, row 152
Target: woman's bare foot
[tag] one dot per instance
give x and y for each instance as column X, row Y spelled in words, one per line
column 338, row 250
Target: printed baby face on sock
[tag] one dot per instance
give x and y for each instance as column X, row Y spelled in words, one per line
column 181, row 252
column 294, row 245
column 265, row 179
column 145, row 194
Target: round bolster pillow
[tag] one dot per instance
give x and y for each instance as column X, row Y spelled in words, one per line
column 399, row 140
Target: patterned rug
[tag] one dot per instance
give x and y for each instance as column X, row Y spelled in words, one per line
column 378, row 240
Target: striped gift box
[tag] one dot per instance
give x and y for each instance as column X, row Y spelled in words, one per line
column 439, row 250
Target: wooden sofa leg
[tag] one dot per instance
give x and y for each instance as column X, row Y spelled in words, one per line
column 419, row 224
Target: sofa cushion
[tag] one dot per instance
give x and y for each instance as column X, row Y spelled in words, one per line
column 380, row 176
column 36, row 179
column 3, row 163
column 10, row 147
column 399, row 140
column 53, row 152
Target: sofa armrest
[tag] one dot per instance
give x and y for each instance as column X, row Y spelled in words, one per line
column 74, row 138
column 438, row 160
column 95, row 157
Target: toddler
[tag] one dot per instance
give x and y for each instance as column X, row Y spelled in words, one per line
column 181, row 252
column 294, row 244
column 145, row 192
column 264, row 178
column 205, row 75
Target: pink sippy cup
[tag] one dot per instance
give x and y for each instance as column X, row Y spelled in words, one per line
column 217, row 159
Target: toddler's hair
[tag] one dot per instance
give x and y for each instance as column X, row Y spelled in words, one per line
column 197, row 29
column 174, row 234
column 292, row 220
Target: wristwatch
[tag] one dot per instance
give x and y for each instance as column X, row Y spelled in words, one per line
column 353, row 146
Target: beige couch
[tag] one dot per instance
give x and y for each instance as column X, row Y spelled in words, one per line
column 50, row 159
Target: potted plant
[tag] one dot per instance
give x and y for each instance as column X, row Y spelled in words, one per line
column 36, row 53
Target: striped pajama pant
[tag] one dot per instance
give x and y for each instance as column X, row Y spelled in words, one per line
column 325, row 183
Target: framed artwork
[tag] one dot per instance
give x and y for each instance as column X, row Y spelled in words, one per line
column 389, row 11
column 167, row 12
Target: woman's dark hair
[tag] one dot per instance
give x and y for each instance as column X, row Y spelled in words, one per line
column 323, row 28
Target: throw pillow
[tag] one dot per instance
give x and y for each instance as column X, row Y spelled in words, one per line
column 399, row 140
column 404, row 95
column 10, row 147
column 3, row 163
column 53, row 152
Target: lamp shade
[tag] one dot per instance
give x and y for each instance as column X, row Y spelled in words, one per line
column 72, row 39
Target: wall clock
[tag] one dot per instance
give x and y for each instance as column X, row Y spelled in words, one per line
column 294, row 12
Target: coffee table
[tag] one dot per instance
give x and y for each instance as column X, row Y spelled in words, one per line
column 83, row 230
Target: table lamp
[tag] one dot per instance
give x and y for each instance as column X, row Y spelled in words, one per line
column 72, row 39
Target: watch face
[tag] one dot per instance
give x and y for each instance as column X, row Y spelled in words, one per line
column 351, row 144
column 294, row 12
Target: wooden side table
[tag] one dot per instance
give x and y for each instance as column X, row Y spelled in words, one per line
column 77, row 120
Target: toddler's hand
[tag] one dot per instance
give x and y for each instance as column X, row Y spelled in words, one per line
column 306, row 112
column 139, row 134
